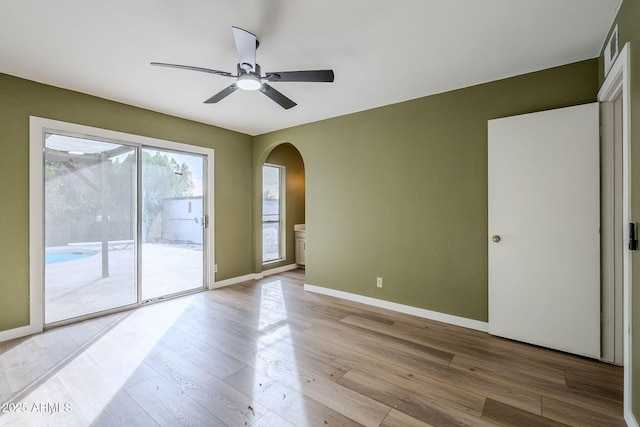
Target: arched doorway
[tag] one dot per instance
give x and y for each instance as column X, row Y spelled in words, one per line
column 282, row 205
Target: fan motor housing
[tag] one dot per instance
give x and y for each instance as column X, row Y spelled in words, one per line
column 249, row 80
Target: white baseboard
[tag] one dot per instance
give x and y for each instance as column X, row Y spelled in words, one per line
column 22, row 331
column 235, row 280
column 279, row 269
column 630, row 419
column 406, row 309
column 252, row 276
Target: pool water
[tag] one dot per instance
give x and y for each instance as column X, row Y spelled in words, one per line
column 55, row 257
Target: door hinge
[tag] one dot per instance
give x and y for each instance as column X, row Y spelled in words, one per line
column 204, row 221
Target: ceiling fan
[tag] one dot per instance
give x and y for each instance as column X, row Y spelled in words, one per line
column 248, row 75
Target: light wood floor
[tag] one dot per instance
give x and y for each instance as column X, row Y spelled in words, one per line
column 267, row 354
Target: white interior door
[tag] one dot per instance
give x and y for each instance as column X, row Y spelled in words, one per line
column 544, row 219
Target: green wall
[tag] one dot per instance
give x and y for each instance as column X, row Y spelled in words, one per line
column 400, row 192
column 288, row 156
column 629, row 31
column 21, row 98
column 397, row 192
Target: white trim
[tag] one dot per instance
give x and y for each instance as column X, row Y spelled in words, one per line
column 618, row 81
column 19, row 332
column 36, row 229
column 37, row 127
column 253, row 276
column 236, row 280
column 279, row 270
column 406, row 309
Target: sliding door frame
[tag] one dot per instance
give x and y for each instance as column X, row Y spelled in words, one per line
column 141, row 213
column 38, row 127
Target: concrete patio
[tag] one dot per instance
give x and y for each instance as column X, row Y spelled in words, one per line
column 76, row 288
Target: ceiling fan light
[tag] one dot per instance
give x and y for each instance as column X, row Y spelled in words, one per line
column 249, row 81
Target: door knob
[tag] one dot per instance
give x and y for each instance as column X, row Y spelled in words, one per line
column 495, row 238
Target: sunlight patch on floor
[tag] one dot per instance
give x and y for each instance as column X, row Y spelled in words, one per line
column 276, row 335
column 77, row 380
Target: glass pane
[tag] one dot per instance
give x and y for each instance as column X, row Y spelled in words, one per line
column 270, row 213
column 172, row 222
column 90, row 226
column 270, row 241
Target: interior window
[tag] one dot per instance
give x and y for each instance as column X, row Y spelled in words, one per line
column 272, row 212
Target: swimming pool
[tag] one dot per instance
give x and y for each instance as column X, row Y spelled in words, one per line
column 55, row 256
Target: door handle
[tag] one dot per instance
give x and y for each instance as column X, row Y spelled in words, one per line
column 495, row 238
column 633, row 237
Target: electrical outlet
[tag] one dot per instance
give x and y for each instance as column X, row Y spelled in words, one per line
column 379, row 282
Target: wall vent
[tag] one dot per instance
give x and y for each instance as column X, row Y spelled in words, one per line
column 611, row 50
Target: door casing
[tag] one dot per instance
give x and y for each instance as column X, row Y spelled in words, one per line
column 617, row 82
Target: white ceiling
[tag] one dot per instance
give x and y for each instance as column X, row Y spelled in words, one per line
column 382, row 52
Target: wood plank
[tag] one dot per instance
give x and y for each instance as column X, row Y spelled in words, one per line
column 375, row 329
column 578, row 415
column 101, row 399
column 402, row 351
column 408, row 402
column 25, row 364
column 239, row 341
column 373, row 317
column 485, row 348
column 505, row 415
column 291, row 405
column 268, row 353
column 123, row 368
column 397, row 418
column 599, row 385
column 271, row 419
column 225, row 402
column 308, row 383
column 461, row 379
column 163, row 401
column 200, row 351
column 405, row 376
column 358, row 407
column 514, row 379
column 537, row 355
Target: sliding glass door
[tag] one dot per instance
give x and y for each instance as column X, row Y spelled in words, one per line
column 90, row 226
column 173, row 222
column 123, row 224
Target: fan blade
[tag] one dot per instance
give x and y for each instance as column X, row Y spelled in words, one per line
column 301, row 76
column 189, row 67
column 282, row 100
column 222, row 94
column 246, row 45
